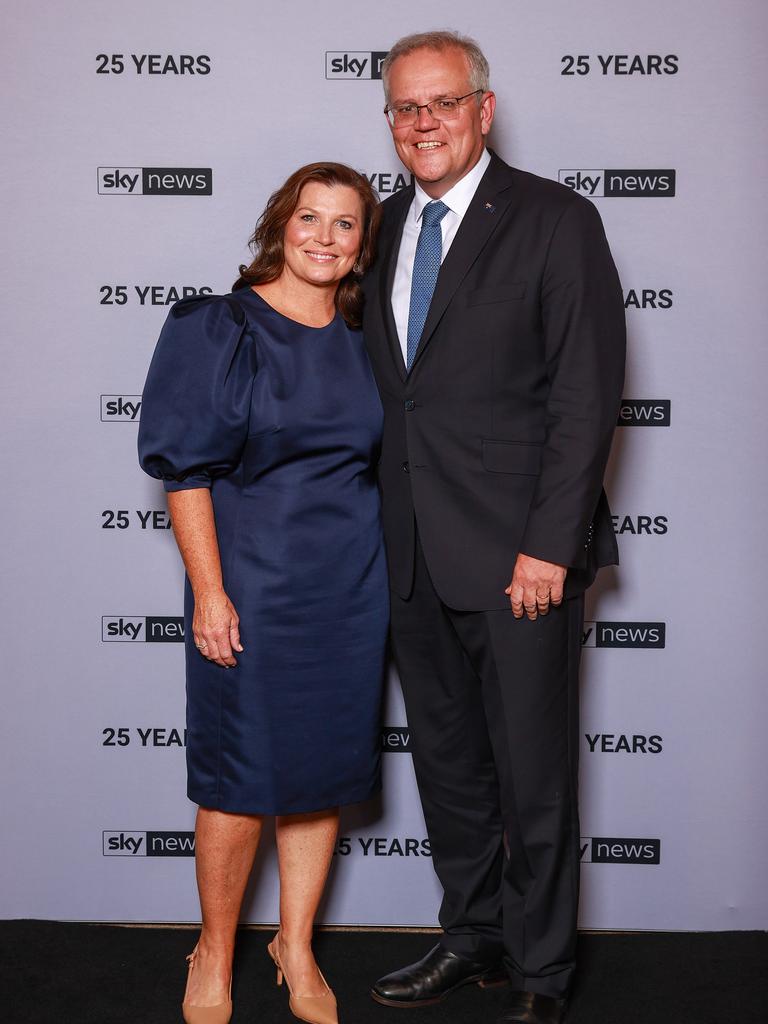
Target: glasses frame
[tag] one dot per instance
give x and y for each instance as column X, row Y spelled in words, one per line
column 390, row 111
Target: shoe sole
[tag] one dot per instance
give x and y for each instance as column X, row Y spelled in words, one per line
column 480, row 980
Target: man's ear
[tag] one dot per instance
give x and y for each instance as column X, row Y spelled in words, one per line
column 487, row 110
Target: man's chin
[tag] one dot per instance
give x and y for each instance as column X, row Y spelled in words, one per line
column 425, row 165
column 429, row 169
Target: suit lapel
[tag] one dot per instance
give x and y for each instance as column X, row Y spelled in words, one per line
column 483, row 215
column 391, row 247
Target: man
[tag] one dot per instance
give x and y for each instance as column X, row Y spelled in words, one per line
column 495, row 324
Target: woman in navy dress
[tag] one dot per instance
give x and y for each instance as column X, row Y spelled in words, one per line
column 261, row 416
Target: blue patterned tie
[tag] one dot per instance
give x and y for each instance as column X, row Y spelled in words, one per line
column 426, row 266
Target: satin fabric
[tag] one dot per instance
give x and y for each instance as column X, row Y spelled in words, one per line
column 283, row 423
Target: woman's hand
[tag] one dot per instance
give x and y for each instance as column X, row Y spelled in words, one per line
column 215, row 627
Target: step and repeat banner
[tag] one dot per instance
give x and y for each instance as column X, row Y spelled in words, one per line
column 141, row 143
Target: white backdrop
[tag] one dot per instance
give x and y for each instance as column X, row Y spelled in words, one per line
column 675, row 706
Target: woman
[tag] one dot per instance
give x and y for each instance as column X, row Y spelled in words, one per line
column 262, row 418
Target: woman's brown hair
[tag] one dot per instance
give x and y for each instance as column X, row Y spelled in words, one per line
column 266, row 243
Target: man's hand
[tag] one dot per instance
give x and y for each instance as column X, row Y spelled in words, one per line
column 535, row 586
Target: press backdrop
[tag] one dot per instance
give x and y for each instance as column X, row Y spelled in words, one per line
column 141, row 142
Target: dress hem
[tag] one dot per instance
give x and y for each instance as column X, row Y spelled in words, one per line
column 224, row 805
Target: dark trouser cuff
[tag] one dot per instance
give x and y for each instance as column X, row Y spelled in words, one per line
column 556, row 986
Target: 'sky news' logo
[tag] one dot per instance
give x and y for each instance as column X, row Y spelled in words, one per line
column 155, row 181
column 151, row 629
column 354, row 63
column 604, row 850
column 624, row 634
column 148, row 844
column 120, row 408
column 645, row 412
column 396, row 738
column 619, row 183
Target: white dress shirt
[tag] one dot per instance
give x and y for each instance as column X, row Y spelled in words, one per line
column 457, row 199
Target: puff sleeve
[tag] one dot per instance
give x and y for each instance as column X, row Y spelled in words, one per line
column 197, row 397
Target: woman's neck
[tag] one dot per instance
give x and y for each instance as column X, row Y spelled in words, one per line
column 306, row 303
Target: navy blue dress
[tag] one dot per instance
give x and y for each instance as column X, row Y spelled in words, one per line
column 283, row 423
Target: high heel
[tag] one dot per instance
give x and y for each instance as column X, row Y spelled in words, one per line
column 218, row 1014
column 312, row 1009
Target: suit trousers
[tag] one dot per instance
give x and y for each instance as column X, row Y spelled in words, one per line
column 492, row 705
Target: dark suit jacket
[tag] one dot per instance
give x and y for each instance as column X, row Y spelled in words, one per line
column 497, row 440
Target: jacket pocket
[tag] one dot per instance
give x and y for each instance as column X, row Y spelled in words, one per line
column 504, row 293
column 512, row 457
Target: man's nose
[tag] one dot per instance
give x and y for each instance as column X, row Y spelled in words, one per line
column 425, row 121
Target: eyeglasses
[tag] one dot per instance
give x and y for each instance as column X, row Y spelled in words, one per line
column 446, row 108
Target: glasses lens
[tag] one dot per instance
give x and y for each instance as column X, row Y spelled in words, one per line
column 445, row 109
column 408, row 114
column 403, row 116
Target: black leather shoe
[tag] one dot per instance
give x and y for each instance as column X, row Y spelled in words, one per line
column 531, row 1008
column 433, row 978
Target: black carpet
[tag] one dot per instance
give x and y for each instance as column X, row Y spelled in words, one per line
column 52, row 973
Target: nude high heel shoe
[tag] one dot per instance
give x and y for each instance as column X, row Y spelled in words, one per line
column 312, row 1009
column 218, row 1014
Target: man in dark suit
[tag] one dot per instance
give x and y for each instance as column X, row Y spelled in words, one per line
column 495, row 325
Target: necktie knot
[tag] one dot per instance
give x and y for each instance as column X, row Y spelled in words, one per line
column 433, row 213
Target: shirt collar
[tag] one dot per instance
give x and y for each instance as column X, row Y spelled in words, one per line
column 458, row 198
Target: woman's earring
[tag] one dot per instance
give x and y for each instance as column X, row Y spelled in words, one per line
column 357, row 269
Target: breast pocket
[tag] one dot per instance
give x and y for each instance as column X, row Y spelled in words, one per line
column 511, row 292
column 512, row 457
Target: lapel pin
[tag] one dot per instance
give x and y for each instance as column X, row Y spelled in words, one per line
column 490, row 208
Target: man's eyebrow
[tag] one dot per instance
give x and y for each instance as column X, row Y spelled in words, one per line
column 440, row 96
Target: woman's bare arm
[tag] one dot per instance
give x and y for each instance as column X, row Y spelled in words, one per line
column 215, row 625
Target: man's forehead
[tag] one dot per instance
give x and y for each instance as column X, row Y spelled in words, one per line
column 426, row 70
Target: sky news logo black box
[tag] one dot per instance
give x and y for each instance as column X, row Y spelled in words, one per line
column 155, row 181
column 645, row 412
column 620, row 850
column 620, row 182
column 151, row 629
column 395, row 739
column 624, row 634
column 177, row 181
column 354, row 64
column 122, row 843
column 630, row 183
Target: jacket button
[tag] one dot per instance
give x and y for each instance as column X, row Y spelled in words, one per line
column 410, row 405
column 406, row 468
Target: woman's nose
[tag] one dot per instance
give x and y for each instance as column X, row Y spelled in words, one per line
column 324, row 235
